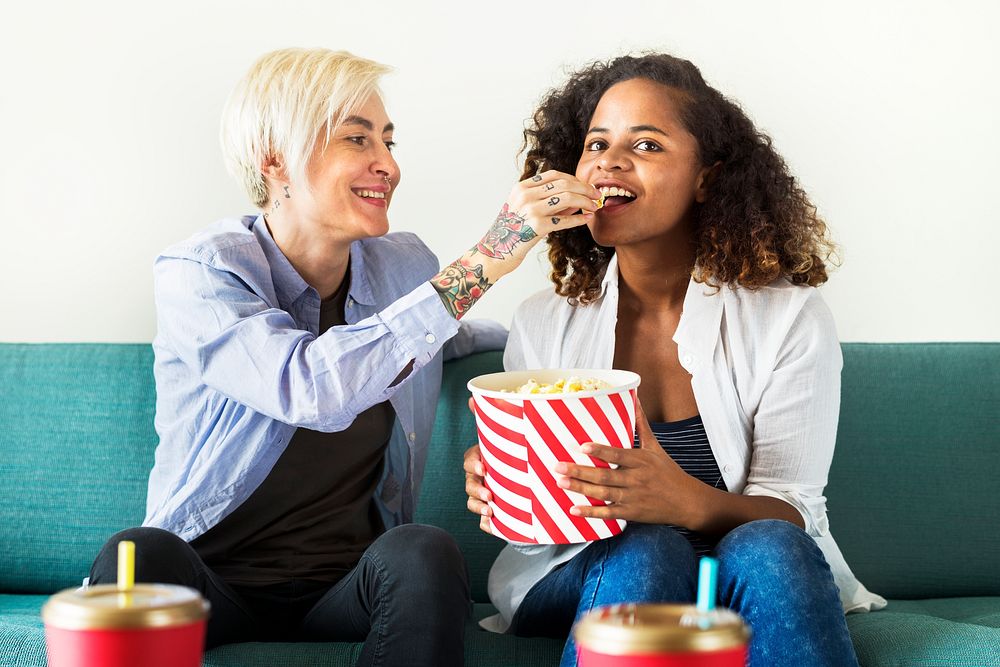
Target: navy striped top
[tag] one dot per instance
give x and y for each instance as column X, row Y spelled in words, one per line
column 687, row 444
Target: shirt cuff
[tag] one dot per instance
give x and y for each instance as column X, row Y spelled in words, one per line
column 813, row 510
column 420, row 323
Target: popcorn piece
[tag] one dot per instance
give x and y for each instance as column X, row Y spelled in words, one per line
column 562, row 386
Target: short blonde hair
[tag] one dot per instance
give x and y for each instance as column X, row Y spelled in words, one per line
column 282, row 106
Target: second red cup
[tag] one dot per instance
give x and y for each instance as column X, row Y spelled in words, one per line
column 661, row 635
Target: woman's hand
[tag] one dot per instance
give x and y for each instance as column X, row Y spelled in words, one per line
column 536, row 207
column 479, row 496
column 648, row 486
column 544, row 203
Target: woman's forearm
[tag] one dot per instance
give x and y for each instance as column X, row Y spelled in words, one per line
column 717, row 512
column 463, row 282
column 537, row 206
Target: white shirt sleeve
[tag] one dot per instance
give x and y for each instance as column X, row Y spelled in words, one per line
column 513, row 353
column 795, row 426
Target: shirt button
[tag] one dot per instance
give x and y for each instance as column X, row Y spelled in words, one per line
column 413, row 437
column 430, row 338
column 727, row 468
column 350, row 302
column 688, row 359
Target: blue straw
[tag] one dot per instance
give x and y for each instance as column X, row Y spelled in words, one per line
column 708, row 572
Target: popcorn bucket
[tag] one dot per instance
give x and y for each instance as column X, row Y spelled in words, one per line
column 153, row 625
column 661, row 635
column 523, row 436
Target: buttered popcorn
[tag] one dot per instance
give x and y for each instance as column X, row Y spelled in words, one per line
column 562, row 386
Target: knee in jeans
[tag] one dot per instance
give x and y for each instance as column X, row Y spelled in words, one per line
column 767, row 541
column 655, row 541
column 153, row 546
column 645, row 563
column 151, row 540
column 646, row 547
column 418, row 548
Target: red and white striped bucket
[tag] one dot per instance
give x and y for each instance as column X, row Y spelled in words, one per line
column 523, row 436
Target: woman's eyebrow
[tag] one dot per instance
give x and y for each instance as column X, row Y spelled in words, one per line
column 634, row 129
column 647, row 128
column 367, row 124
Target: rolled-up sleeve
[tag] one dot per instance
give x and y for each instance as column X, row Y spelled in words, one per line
column 475, row 336
column 254, row 353
column 795, row 426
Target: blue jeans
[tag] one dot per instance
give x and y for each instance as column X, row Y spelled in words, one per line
column 770, row 572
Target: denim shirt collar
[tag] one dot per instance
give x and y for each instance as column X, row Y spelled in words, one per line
column 289, row 285
column 360, row 289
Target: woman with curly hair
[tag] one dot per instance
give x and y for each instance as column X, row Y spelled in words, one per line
column 700, row 274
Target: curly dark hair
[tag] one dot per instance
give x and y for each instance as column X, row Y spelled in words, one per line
column 757, row 223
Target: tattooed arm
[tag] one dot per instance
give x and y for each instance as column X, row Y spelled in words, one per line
column 536, row 206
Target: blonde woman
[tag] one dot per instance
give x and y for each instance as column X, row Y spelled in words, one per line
column 297, row 365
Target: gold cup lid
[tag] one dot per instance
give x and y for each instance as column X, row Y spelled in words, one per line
column 144, row 606
column 630, row 629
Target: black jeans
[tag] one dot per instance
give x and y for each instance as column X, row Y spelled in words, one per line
column 407, row 599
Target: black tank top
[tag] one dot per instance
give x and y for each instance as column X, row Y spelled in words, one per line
column 687, row 444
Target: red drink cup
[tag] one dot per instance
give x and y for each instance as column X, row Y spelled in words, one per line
column 661, row 635
column 153, row 625
column 522, row 436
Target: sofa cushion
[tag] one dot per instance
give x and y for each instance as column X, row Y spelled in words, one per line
column 482, row 648
column 98, row 401
column 22, row 644
column 442, row 499
column 929, row 633
column 257, row 654
column 901, row 523
column 912, row 491
column 22, row 638
column 911, row 633
column 488, row 649
column 76, row 448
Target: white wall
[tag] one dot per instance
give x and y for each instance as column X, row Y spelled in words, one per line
column 109, row 112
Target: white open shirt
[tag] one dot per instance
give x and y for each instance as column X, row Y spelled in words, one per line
column 765, row 371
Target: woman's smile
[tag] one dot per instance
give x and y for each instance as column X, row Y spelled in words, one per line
column 373, row 195
column 616, row 195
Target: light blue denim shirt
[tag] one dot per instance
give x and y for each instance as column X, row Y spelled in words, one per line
column 239, row 366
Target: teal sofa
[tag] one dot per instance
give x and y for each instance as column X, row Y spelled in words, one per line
column 914, row 496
